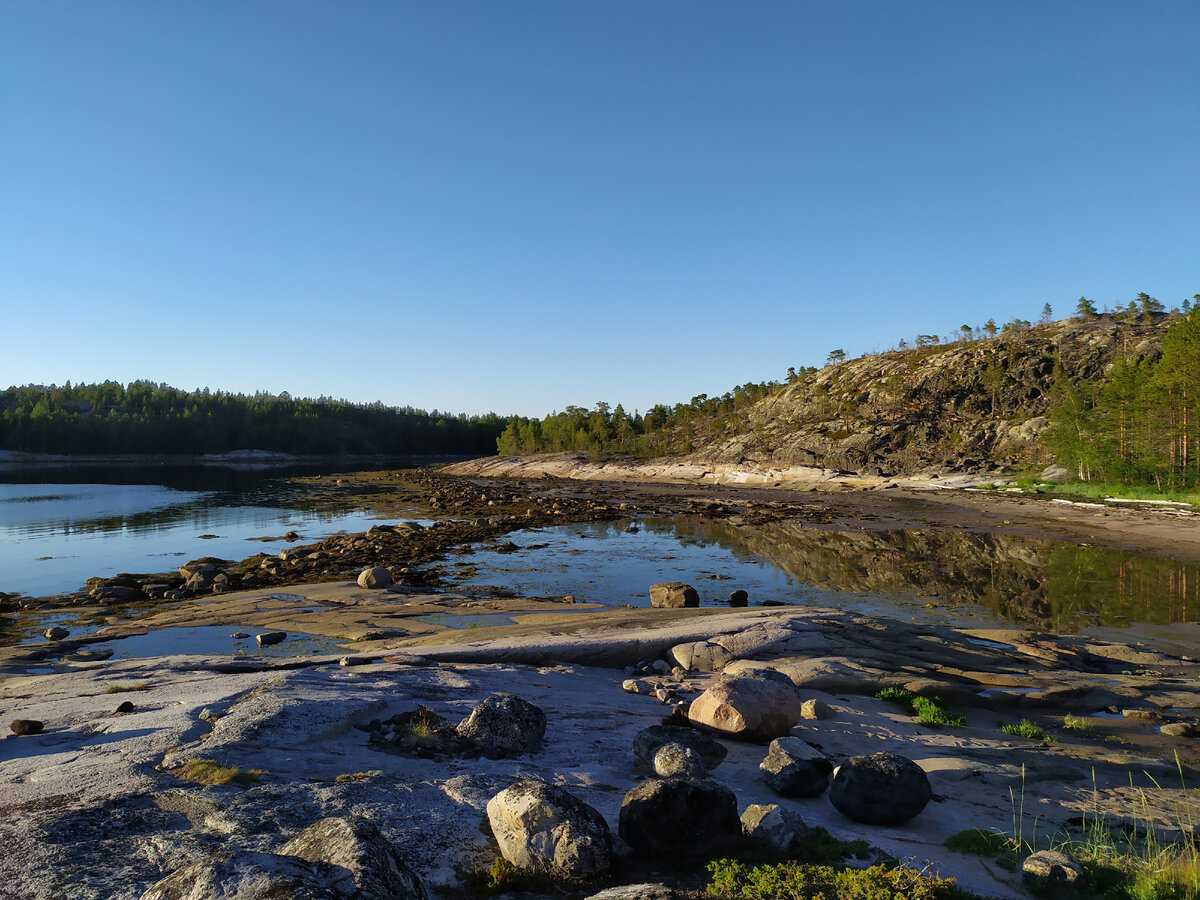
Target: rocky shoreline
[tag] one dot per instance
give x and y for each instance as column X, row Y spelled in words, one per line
column 101, row 798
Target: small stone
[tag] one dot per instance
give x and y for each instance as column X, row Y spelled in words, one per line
column 56, row 633
column 376, row 577
column 354, row 661
column 25, row 727
column 678, row 761
column 816, row 709
column 125, row 707
column 739, row 599
column 637, row 686
column 1178, row 729
column 1050, row 867
column 269, row 638
column 239, row 635
column 673, row 595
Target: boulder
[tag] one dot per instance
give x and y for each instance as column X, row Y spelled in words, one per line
column 375, row 577
column 365, row 863
column 678, row 761
column 680, row 819
column 673, row 595
column 794, row 769
column 269, row 638
column 56, row 633
column 771, row 829
column 648, row 741
column 654, row 891
column 880, row 789
column 751, row 709
column 504, row 725
column 26, row 727
column 739, row 599
column 547, row 830
column 247, row 876
column 1048, row 868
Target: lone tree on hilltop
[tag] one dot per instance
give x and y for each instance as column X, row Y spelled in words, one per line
column 835, row 356
column 1085, row 309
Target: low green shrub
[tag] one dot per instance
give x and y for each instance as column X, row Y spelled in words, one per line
column 1027, row 729
column 927, row 710
column 732, row 880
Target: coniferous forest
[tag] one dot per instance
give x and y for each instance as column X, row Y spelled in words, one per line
column 148, row 418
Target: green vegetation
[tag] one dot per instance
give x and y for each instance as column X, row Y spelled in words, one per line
column 1027, row 729
column 927, row 710
column 1142, row 425
column 208, row 771
column 122, row 687
column 1077, row 723
column 606, row 430
column 501, row 877
column 732, row 880
column 144, row 417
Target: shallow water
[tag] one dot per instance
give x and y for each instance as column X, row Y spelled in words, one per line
column 54, row 536
column 213, row 640
column 988, row 579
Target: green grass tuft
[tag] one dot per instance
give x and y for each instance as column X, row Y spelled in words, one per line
column 732, row 880
column 927, row 710
column 125, row 688
column 209, row 771
column 1077, row 723
column 1027, row 729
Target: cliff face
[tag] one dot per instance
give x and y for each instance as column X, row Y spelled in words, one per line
column 953, row 407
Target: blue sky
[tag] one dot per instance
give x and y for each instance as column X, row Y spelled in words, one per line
column 517, row 206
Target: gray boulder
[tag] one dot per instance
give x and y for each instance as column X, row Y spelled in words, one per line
column 246, row 876
column 649, row 741
column 751, row 709
column 880, row 789
column 771, row 829
column 365, row 865
column 270, row 638
column 504, row 725
column 545, row 829
column 375, row 577
column 1050, row 868
column 739, row 598
column 678, row 761
column 673, row 595
column 637, row 892
column 794, row 769
column 678, row 819
column 57, row 633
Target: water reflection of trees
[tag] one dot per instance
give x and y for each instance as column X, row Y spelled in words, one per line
column 1040, row 583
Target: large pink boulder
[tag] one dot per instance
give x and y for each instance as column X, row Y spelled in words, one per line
column 752, row 709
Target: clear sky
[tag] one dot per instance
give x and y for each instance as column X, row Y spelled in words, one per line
column 517, row 206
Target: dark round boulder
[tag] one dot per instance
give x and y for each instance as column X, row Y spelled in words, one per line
column 25, row 727
column 739, row 599
column 681, row 820
column 794, row 769
column 648, row 741
column 880, row 789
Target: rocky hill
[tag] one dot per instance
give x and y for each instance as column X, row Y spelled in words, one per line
column 967, row 406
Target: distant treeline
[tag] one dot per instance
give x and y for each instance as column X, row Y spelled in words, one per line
column 1142, row 424
column 605, row 430
column 144, row 417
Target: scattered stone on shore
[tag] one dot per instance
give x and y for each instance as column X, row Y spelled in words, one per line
column 375, row 577
column 1049, row 868
column 504, row 725
column 270, row 638
column 677, row 761
column 57, row 633
column 364, row 863
column 546, row 829
column 126, row 707
column 772, row 829
column 673, row 595
column 751, row 709
column 816, row 709
column 648, row 741
column 738, row 599
column 26, row 727
column 792, row 768
column 880, row 789
column 681, row 820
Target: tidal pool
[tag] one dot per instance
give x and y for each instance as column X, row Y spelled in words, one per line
column 988, row 579
column 213, row 640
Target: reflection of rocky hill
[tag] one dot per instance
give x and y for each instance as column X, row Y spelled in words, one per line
column 1039, row 583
